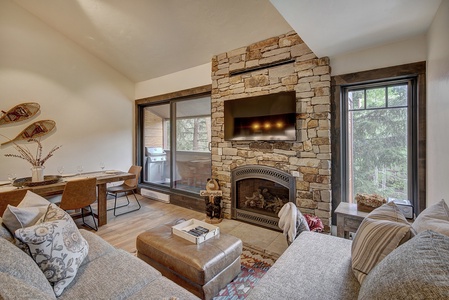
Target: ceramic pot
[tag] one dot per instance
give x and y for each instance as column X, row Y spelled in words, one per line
column 37, row 173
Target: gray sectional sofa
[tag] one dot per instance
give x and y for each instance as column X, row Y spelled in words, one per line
column 320, row 266
column 106, row 273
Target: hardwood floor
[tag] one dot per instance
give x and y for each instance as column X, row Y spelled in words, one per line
column 122, row 231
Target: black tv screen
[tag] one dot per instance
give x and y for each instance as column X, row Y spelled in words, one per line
column 261, row 118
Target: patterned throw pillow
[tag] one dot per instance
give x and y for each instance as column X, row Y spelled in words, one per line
column 435, row 218
column 382, row 231
column 56, row 245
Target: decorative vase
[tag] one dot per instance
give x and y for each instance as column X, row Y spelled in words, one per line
column 37, row 173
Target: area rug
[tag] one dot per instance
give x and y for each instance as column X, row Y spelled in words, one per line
column 254, row 265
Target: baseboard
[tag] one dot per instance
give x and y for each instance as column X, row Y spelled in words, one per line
column 155, row 195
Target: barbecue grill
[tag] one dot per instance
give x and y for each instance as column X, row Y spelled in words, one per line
column 155, row 158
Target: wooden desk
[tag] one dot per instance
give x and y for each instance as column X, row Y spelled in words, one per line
column 102, row 180
column 348, row 218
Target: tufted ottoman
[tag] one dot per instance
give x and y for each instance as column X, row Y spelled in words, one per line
column 203, row 269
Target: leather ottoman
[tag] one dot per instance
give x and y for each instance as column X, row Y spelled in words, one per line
column 203, row 269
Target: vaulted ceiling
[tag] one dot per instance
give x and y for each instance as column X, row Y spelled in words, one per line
column 145, row 39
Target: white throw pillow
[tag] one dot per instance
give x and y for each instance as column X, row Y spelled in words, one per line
column 56, row 245
column 435, row 218
column 29, row 210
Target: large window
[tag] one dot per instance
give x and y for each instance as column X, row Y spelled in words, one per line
column 378, row 134
column 379, row 151
column 176, row 136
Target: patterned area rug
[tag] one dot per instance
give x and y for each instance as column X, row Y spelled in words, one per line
column 254, row 266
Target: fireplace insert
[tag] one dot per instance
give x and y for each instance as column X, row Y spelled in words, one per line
column 258, row 194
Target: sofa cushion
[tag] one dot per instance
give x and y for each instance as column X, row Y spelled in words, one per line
column 5, row 233
column 27, row 213
column 435, row 218
column 20, row 277
column 418, row 269
column 163, row 288
column 314, row 266
column 380, row 232
column 115, row 275
column 56, row 246
column 97, row 246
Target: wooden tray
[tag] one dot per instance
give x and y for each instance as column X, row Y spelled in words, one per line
column 48, row 179
column 182, row 228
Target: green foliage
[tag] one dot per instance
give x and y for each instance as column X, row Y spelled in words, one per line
column 379, row 143
column 192, row 134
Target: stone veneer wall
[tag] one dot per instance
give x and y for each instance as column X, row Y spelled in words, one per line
column 309, row 158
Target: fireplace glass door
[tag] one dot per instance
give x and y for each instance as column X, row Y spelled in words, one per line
column 261, row 196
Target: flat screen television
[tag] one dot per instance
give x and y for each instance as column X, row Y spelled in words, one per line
column 269, row 117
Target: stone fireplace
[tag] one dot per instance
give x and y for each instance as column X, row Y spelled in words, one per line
column 258, row 194
column 278, row 64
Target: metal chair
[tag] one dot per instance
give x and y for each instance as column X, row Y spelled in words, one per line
column 128, row 185
column 79, row 195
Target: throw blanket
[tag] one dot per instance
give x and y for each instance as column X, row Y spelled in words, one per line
column 315, row 223
column 287, row 220
column 293, row 222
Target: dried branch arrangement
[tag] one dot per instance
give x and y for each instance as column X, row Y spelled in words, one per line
column 26, row 154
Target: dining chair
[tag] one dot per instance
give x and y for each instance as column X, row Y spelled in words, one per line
column 127, row 186
column 12, row 198
column 79, row 195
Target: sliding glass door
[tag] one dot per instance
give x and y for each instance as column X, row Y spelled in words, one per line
column 176, row 144
column 192, row 156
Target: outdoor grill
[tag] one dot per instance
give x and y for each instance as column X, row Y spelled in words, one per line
column 155, row 158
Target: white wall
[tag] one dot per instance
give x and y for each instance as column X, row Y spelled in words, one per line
column 91, row 103
column 182, row 80
column 438, row 107
column 402, row 52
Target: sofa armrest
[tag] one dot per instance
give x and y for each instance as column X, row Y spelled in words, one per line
column 314, row 266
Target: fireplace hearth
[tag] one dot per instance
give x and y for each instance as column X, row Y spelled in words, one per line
column 258, row 194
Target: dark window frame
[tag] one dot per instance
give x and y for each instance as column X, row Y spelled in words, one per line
column 414, row 71
column 177, row 197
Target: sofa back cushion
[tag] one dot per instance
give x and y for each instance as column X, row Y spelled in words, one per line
column 418, row 269
column 5, row 233
column 20, row 277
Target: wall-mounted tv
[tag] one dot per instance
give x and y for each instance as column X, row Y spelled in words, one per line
column 261, row 118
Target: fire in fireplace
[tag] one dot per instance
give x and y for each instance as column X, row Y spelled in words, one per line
column 258, row 194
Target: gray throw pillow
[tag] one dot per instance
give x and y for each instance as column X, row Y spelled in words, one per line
column 435, row 218
column 418, row 269
column 301, row 223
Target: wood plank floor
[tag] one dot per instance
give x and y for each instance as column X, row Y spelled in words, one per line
column 122, row 231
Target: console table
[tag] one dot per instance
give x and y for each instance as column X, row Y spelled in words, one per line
column 348, row 218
